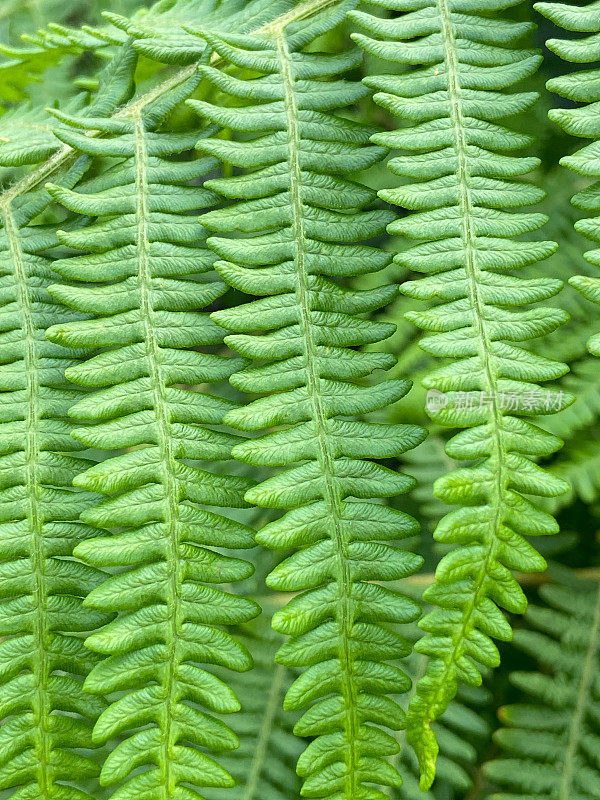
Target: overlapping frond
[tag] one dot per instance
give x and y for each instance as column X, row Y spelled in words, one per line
column 26, row 59
column 162, row 33
column 551, row 740
column 28, row 136
column 581, row 87
column 143, row 272
column 579, row 466
column 461, row 183
column 20, row 65
column 578, row 463
column 292, row 234
column 47, row 720
column 426, row 464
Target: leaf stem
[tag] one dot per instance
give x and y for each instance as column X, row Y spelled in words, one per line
column 326, row 456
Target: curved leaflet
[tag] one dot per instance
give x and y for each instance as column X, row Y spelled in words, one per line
column 47, row 719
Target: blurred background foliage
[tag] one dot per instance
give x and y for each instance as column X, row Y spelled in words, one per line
column 50, row 51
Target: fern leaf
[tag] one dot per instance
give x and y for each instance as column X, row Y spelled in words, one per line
column 144, row 250
column 581, row 87
column 24, row 63
column 47, row 720
column 579, row 465
column 552, row 742
column 21, row 65
column 461, row 186
column 66, row 155
column 302, row 222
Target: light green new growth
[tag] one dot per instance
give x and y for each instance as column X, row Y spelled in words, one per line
column 460, row 183
column 582, row 87
column 301, row 223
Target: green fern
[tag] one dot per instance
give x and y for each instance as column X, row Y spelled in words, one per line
column 38, row 53
column 301, row 222
column 141, row 250
column 579, row 465
column 160, row 519
column 21, row 65
column 47, row 720
column 466, row 246
column 582, row 87
column 552, row 743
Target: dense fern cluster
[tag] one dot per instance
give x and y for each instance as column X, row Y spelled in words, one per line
column 198, row 301
column 48, row 719
column 581, row 87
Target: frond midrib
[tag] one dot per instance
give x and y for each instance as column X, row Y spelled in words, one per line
column 66, row 155
column 165, row 444
column 40, row 665
column 326, row 456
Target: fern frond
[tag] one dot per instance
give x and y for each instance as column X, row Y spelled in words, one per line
column 49, row 768
column 37, row 53
column 24, row 59
column 21, row 65
column 27, row 135
column 460, row 187
column 579, row 465
column 144, row 251
column 66, row 155
column 552, row 742
column 145, row 246
column 47, row 720
column 426, row 463
column 581, row 87
column 301, row 224
column 461, row 731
